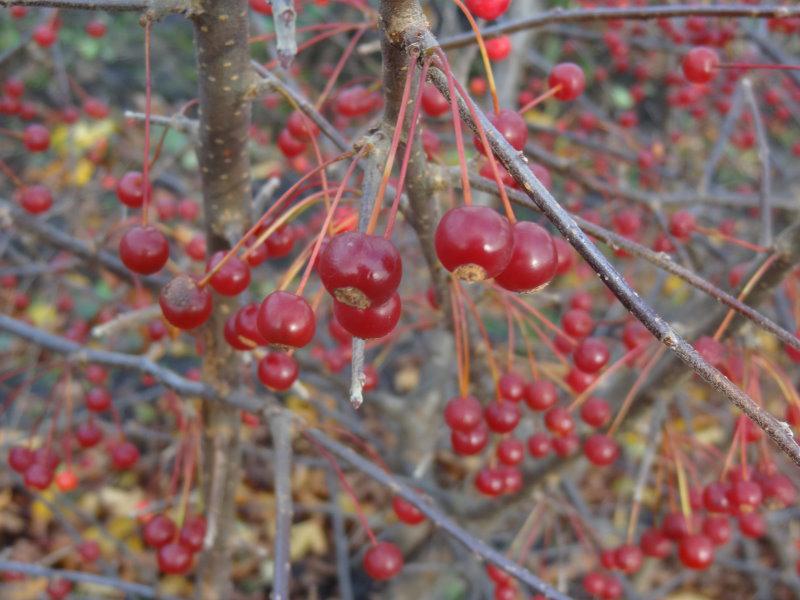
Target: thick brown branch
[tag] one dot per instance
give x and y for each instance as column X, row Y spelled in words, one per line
column 158, row 7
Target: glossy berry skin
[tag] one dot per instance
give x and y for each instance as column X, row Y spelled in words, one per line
column 130, row 189
column 124, row 455
column 232, row 278
column 577, row 323
column 36, row 138
column 474, row 242
column 232, row 336
column 559, row 421
column 715, row 497
column 45, row 35
column 541, row 395
column 718, row 529
column 533, row 259
column 463, row 413
column 699, row 64
column 571, row 79
column 174, row 559
column 98, row 399
column 192, row 533
column 752, row 525
column 407, row 512
column 498, row 48
column 502, row 417
column 289, row 145
column 286, row 320
column 159, row 531
column 595, row 412
column 433, row 103
column 184, row 304
column 374, row 322
column 144, row 250
column 591, row 355
column 20, row 458
column 510, row 451
column 488, row 9
column 88, row 434
column 539, row 445
column 600, row 449
column 696, row 551
column 301, row 127
column 594, row 584
column 359, row 269
column 383, row 561
column 653, row 543
column 489, row 482
column 277, row 371
column 247, row 324
column 745, row 495
column 35, row 199
column 467, row 443
column 628, row 558
column 512, row 386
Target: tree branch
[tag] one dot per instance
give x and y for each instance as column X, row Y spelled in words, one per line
column 158, row 7
column 280, row 424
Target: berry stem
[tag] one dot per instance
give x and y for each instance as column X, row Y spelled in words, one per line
column 8, row 172
column 637, row 384
column 715, row 233
column 462, row 160
column 398, row 129
column 486, row 340
column 541, row 98
column 340, row 65
column 615, row 366
column 487, row 64
column 683, row 488
column 147, row 111
column 748, row 287
column 461, row 342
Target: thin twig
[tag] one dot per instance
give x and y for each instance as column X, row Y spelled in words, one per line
column 765, row 178
column 339, row 537
column 280, row 425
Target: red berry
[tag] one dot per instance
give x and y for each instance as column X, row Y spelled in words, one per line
column 539, row 445
column 360, row 269
column 36, row 138
column 261, row 6
column 682, row 224
column 489, row 482
column 373, row 322
column 289, row 145
column 512, row 386
column 594, row 584
column 655, row 544
column 232, row 336
column 35, row 199
column 627, row 222
column 696, row 551
column 469, row 442
column 579, row 381
column 14, row 87
column 383, row 561
column 559, row 421
column 280, row 243
column 718, row 529
column 498, row 48
column 752, row 525
column 571, row 79
column 98, row 399
column 463, row 413
column 600, row 449
column 58, row 589
column 511, row 126
column 533, row 259
column 89, row 551
column 20, row 458
column 628, row 558
column 502, row 417
column 510, row 451
column 301, row 127
column 474, row 242
column 675, row 526
column 247, row 324
column 577, row 323
column 144, row 250
column 407, row 512
column 745, row 495
column 591, row 355
column 780, row 489
column 505, row 592
column 193, row 533
column 699, row 64
column 159, row 531
column 286, row 320
column 39, row 476
column 96, row 28
column 277, row 371
column 433, row 103
column 174, row 559
column 595, row 412
column 88, row 434
column 130, row 189
column 45, row 35
column 124, row 455
column 232, row 278
column 541, row 395
column 488, row 9
column 184, row 304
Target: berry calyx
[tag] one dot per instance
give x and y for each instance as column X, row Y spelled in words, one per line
column 184, row 304
column 359, row 269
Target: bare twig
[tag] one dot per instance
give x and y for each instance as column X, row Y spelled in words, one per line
column 765, row 178
column 157, row 6
column 725, row 131
column 133, row 318
column 284, row 17
column 339, row 538
column 280, row 425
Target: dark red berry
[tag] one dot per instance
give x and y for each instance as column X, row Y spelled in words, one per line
column 577, row 323
column 286, row 320
column 407, row 512
column 595, row 412
column 35, row 199
column 98, row 399
column 36, row 138
column 488, row 9
column 124, row 455
column 601, row 449
column 469, row 442
column 696, row 551
column 383, row 561
column 533, row 259
column 144, row 250
column 700, row 64
column 433, row 103
column 130, row 189
column 510, row 451
column 463, row 413
column 184, row 304
column 20, row 458
column 512, row 386
column 541, row 395
column 570, row 78
column 277, row 371
column 654, row 543
column 539, row 445
column 174, row 559
column 502, row 417
column 193, row 533
column 159, row 531
column 233, row 276
column 373, row 322
column 489, row 482
column 718, row 529
column 628, row 558
column 474, row 242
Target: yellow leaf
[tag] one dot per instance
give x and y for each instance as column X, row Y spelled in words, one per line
column 307, row 537
column 83, row 172
column 43, row 314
